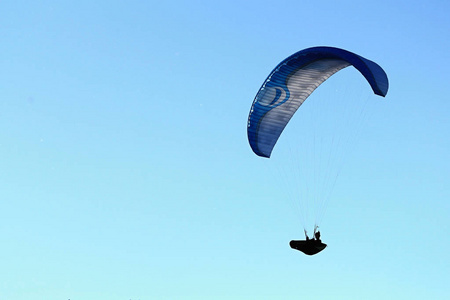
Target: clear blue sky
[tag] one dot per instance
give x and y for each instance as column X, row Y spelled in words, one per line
column 125, row 171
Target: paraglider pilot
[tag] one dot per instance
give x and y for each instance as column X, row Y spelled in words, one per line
column 317, row 233
column 309, row 246
column 317, row 236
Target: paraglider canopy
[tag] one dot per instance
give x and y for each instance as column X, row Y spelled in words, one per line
column 291, row 83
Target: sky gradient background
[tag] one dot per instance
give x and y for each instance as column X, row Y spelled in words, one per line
column 126, row 171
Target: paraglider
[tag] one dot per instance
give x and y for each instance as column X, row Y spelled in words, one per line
column 286, row 89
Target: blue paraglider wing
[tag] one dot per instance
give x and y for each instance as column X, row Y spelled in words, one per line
column 292, row 81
